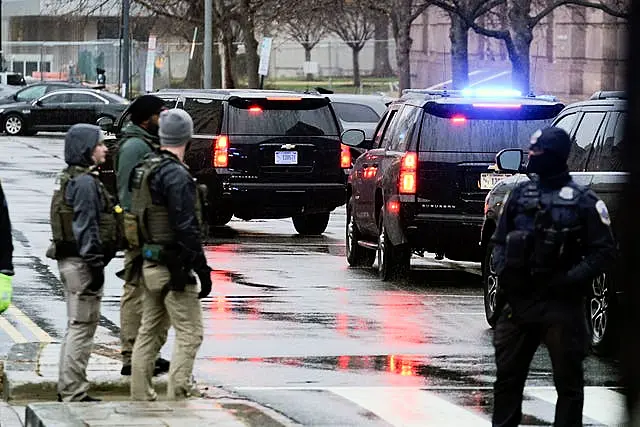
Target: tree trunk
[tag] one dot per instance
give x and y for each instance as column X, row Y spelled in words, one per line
column 250, row 44
column 381, row 65
column 401, row 24
column 519, row 46
column 194, row 75
column 355, row 53
column 227, row 47
column 307, row 58
column 459, row 36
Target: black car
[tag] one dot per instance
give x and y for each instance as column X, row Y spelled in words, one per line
column 263, row 154
column 421, row 187
column 34, row 91
column 596, row 128
column 59, row 110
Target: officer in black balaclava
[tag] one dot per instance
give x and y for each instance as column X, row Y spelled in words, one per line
column 553, row 238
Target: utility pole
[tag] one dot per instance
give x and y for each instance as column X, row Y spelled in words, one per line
column 1, row 53
column 208, row 42
column 125, row 47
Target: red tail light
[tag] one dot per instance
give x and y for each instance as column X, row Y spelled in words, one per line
column 408, row 178
column 221, row 152
column 345, row 156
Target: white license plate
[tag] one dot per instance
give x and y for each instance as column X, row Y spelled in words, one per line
column 489, row 180
column 286, row 157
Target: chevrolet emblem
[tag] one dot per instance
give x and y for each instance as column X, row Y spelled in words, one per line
column 288, row 146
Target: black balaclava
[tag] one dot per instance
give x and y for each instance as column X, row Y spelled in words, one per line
column 556, row 144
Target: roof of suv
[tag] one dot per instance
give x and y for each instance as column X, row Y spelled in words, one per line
column 242, row 93
column 422, row 97
column 616, row 100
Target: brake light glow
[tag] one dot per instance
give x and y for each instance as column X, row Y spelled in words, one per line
column 221, row 152
column 345, row 156
column 283, row 98
column 488, row 105
column 255, row 109
column 407, row 184
column 393, row 206
column 458, row 120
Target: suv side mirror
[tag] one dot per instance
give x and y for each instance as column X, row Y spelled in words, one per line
column 105, row 123
column 510, row 160
column 352, row 137
column 37, row 102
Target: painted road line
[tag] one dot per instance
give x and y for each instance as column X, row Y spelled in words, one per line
column 472, row 73
column 38, row 332
column 13, row 333
column 405, row 407
column 495, row 76
column 600, row 404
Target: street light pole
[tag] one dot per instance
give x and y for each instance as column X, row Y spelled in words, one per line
column 208, row 42
column 1, row 53
column 125, row 46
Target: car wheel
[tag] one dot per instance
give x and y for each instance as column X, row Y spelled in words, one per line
column 13, row 124
column 311, row 224
column 357, row 256
column 599, row 311
column 490, row 286
column 220, row 218
column 393, row 261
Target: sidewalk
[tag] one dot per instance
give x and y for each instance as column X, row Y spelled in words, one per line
column 29, row 384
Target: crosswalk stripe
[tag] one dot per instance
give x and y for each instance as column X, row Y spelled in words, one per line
column 406, row 407
column 13, row 333
column 42, row 335
column 600, row 404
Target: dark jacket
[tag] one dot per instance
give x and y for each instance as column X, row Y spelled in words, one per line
column 84, row 195
column 589, row 251
column 135, row 143
column 174, row 187
column 6, row 242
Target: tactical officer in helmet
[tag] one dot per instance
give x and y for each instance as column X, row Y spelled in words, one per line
column 553, row 238
column 84, row 227
column 168, row 207
column 139, row 137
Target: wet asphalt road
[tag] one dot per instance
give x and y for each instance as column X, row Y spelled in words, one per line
column 288, row 322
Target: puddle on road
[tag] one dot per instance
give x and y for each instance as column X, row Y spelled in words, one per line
column 417, row 366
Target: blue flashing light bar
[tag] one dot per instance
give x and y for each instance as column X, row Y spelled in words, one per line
column 491, row 93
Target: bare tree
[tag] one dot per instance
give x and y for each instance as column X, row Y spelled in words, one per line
column 381, row 65
column 522, row 17
column 354, row 24
column 303, row 22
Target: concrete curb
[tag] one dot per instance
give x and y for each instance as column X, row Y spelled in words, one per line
column 23, row 379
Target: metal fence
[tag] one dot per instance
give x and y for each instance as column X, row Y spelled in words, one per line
column 77, row 61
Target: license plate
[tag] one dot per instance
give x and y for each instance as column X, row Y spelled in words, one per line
column 286, row 158
column 489, row 180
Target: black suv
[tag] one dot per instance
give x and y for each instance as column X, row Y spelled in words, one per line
column 596, row 128
column 264, row 154
column 421, row 187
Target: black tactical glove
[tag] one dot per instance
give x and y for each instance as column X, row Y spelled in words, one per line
column 204, row 274
column 97, row 278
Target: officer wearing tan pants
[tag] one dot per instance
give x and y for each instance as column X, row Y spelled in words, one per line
column 83, row 223
column 167, row 208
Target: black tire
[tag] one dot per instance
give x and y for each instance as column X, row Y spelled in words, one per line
column 357, row 256
column 394, row 262
column 220, row 218
column 490, row 287
column 14, row 124
column 311, row 224
column 600, row 318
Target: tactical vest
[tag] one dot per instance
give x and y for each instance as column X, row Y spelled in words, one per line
column 61, row 216
column 148, row 223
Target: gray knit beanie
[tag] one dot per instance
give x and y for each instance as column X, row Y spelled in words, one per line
column 176, row 127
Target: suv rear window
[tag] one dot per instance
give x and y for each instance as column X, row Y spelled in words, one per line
column 302, row 117
column 355, row 112
column 479, row 136
column 206, row 115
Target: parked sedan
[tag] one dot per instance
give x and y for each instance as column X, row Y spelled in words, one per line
column 33, row 91
column 359, row 111
column 59, row 110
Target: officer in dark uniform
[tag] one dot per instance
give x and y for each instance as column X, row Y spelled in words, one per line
column 6, row 254
column 167, row 205
column 552, row 239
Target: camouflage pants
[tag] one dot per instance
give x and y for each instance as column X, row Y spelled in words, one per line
column 83, row 313
column 183, row 312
